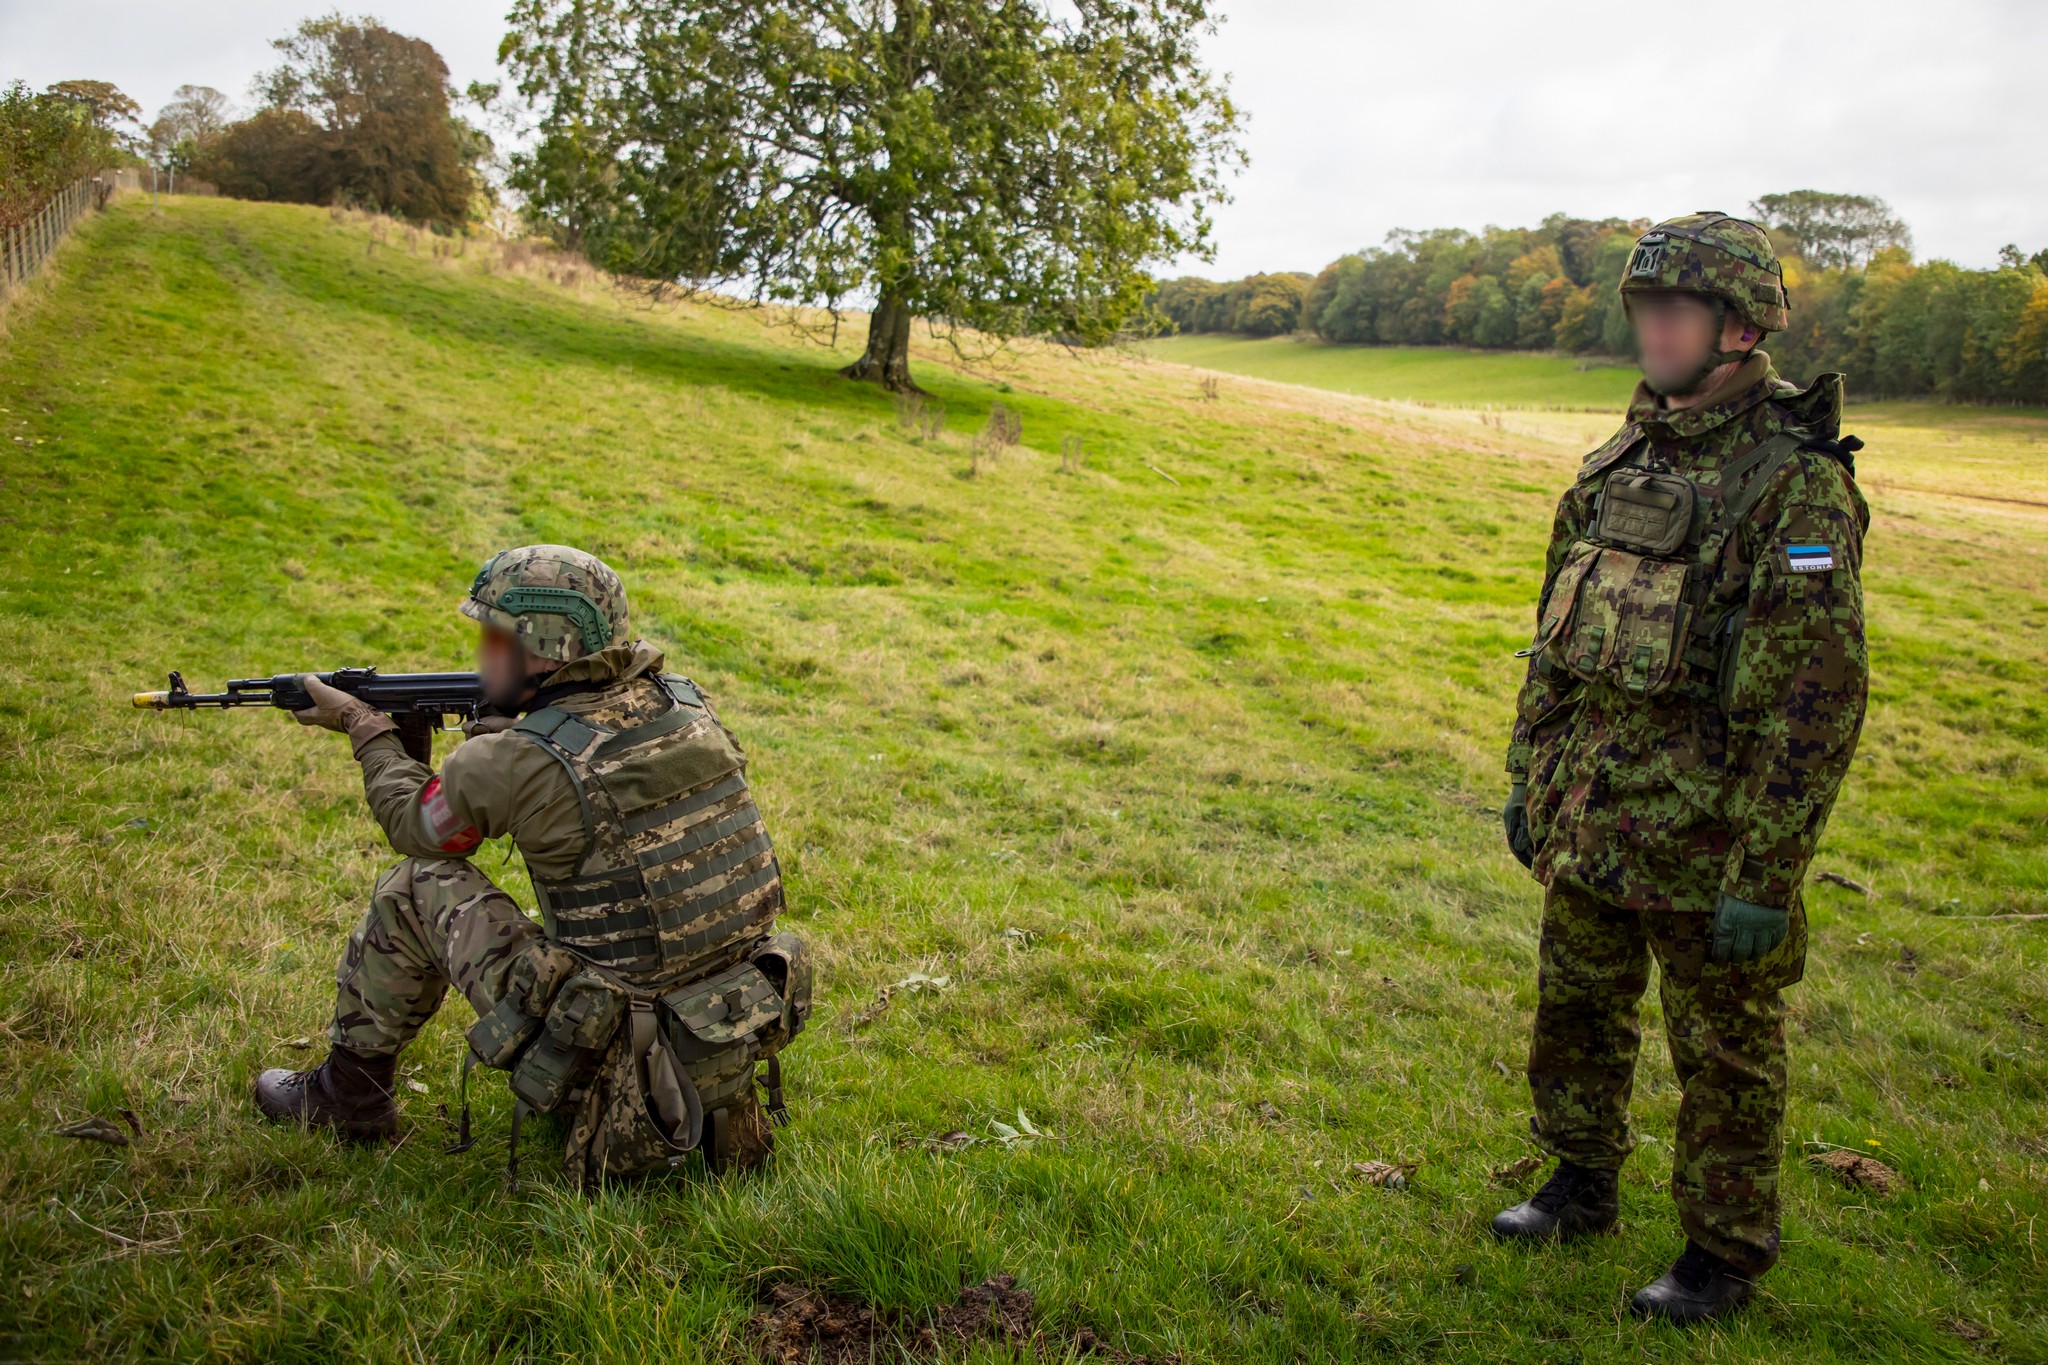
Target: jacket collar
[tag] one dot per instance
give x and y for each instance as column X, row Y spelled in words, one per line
column 1750, row 384
column 593, row 672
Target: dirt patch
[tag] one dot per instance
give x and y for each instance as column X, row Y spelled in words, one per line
column 795, row 1325
column 1859, row 1172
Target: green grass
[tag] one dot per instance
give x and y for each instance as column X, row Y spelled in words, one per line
column 1216, row 722
column 1415, row 374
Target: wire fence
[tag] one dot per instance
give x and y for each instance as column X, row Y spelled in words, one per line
column 24, row 246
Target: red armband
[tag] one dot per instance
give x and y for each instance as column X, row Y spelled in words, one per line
column 444, row 826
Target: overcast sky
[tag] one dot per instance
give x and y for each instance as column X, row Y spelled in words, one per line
column 1367, row 117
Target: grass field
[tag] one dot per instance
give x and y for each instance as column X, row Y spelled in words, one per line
column 1181, row 768
column 1414, row 374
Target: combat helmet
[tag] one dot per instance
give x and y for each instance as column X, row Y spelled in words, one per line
column 558, row 602
column 1708, row 252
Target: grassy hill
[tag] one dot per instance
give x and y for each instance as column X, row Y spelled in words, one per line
column 1179, row 767
column 1415, row 374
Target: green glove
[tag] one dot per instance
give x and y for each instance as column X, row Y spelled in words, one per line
column 1744, row 932
column 1514, row 816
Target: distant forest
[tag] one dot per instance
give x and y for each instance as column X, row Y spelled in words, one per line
column 1860, row 303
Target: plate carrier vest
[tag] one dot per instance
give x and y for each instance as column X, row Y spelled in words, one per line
column 659, row 985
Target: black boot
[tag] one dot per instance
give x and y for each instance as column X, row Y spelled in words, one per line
column 350, row 1092
column 1699, row 1286
column 1574, row 1202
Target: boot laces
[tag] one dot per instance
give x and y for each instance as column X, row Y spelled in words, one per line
column 1566, row 1183
column 1696, row 1266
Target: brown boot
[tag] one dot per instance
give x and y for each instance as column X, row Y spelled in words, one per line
column 350, row 1092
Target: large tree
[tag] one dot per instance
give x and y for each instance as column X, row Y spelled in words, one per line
column 355, row 112
column 104, row 107
column 979, row 163
column 196, row 115
column 384, row 101
column 1832, row 231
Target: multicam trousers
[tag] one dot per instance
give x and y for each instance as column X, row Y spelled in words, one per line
column 431, row 922
column 1725, row 1024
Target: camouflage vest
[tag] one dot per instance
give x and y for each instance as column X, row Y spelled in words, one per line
column 678, row 875
column 659, row 986
column 1631, row 604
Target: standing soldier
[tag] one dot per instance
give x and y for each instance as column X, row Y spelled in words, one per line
column 641, row 1004
column 1695, row 689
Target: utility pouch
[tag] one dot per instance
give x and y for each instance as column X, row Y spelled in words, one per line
column 786, row 962
column 1646, row 512
column 530, row 986
column 733, row 1010
column 496, row 1037
column 1620, row 617
column 580, row 1023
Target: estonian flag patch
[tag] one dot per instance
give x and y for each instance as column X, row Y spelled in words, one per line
column 1809, row 558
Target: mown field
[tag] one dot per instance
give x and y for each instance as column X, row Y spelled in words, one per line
column 1414, row 374
column 1180, row 768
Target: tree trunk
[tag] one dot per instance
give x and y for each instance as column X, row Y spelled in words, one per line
column 887, row 358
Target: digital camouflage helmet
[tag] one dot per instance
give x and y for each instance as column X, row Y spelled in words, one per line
column 1729, row 259
column 558, row 602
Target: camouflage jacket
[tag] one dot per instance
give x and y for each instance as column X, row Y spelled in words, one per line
column 502, row 783
column 1664, row 802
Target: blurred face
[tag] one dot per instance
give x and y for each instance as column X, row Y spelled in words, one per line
column 1674, row 335
column 501, row 662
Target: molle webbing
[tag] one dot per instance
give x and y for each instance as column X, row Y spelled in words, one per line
column 688, row 805
column 679, row 873
column 1709, row 648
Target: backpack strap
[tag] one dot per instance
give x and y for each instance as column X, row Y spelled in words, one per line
column 1744, row 479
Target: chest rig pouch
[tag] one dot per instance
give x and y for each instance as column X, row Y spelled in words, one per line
column 1621, row 607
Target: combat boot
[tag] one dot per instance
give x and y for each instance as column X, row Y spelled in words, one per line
column 350, row 1092
column 1699, row 1286
column 1575, row 1202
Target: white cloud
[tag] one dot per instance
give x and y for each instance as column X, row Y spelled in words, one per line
column 1371, row 117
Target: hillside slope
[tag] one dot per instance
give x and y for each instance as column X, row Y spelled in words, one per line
column 1180, row 768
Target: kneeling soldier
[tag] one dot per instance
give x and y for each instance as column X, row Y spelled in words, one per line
column 1695, row 690
column 641, row 1004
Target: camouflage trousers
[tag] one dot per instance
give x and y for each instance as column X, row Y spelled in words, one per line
column 431, row 922
column 1725, row 1024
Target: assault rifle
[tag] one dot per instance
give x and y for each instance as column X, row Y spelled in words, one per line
column 417, row 701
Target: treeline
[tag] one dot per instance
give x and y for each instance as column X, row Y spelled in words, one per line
column 1900, row 329
column 51, row 138
column 356, row 114
column 1860, row 304
column 1528, row 288
column 1258, row 305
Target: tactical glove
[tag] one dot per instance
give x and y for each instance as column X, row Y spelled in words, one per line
column 1515, row 817
column 1744, row 932
column 332, row 708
